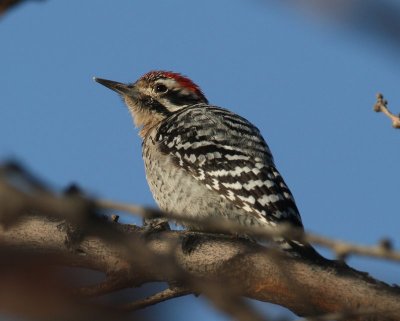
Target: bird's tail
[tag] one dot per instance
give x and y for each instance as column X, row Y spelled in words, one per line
column 302, row 250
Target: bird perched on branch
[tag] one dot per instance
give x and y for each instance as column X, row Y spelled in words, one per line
column 204, row 161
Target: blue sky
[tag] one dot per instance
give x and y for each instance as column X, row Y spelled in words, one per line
column 308, row 84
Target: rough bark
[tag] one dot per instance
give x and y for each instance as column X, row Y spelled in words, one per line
column 252, row 270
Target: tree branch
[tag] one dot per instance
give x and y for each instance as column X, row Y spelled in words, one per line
column 239, row 264
column 67, row 231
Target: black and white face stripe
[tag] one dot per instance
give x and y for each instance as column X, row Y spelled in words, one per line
column 155, row 106
column 178, row 98
column 170, row 95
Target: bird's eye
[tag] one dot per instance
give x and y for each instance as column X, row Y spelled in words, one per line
column 160, row 88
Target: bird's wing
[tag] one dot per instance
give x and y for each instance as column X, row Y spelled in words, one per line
column 228, row 154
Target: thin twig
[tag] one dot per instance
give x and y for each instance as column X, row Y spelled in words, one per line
column 344, row 249
column 381, row 105
column 226, row 301
column 162, row 296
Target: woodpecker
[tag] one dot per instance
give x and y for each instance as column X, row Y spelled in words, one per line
column 205, row 161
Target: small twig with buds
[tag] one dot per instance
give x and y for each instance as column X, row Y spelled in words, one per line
column 381, row 105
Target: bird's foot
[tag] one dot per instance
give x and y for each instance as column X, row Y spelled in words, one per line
column 155, row 225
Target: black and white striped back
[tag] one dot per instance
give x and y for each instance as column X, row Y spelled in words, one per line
column 229, row 156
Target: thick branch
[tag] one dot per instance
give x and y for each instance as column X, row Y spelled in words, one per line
column 245, row 266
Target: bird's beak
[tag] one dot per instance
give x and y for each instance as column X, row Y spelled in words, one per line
column 118, row 87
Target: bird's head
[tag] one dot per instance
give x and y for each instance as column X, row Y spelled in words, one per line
column 156, row 95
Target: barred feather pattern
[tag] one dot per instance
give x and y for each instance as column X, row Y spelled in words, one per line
column 228, row 155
